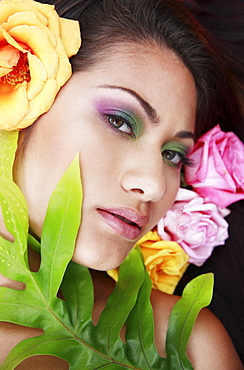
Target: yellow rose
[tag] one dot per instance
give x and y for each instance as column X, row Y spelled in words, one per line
column 35, row 46
column 165, row 261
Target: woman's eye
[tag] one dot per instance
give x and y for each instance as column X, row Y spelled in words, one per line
column 120, row 123
column 174, row 157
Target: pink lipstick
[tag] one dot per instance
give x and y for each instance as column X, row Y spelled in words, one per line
column 124, row 221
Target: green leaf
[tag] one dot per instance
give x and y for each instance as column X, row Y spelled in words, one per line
column 34, row 243
column 13, row 254
column 119, row 305
column 14, row 210
column 77, row 288
column 8, row 146
column 196, row 295
column 68, row 329
column 60, row 230
column 33, row 306
column 139, row 339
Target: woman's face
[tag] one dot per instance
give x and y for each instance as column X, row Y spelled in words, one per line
column 131, row 118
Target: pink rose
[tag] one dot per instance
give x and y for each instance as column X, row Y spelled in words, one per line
column 218, row 172
column 195, row 224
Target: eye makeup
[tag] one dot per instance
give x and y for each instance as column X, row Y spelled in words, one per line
column 119, row 117
column 176, row 153
column 125, row 120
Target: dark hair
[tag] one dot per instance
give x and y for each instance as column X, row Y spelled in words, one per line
column 166, row 23
column 225, row 21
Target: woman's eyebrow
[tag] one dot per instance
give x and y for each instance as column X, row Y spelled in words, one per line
column 150, row 111
column 185, row 135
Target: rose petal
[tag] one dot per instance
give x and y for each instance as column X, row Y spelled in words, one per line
column 30, row 18
column 69, row 27
column 64, row 71
column 219, row 170
column 9, row 57
column 40, row 45
column 8, row 39
column 38, row 76
column 41, row 103
column 47, row 11
column 13, row 106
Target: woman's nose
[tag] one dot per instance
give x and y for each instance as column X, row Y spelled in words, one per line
column 145, row 178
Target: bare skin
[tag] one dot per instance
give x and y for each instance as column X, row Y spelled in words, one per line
column 217, row 351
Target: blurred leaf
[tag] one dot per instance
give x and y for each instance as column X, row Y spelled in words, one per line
column 8, row 146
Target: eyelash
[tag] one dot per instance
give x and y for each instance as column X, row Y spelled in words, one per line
column 122, row 117
column 183, row 160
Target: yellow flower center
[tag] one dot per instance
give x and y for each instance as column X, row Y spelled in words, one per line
column 20, row 72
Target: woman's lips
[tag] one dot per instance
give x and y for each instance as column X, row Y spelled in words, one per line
column 125, row 222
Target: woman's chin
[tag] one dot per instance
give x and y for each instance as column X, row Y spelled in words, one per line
column 98, row 261
column 102, row 251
